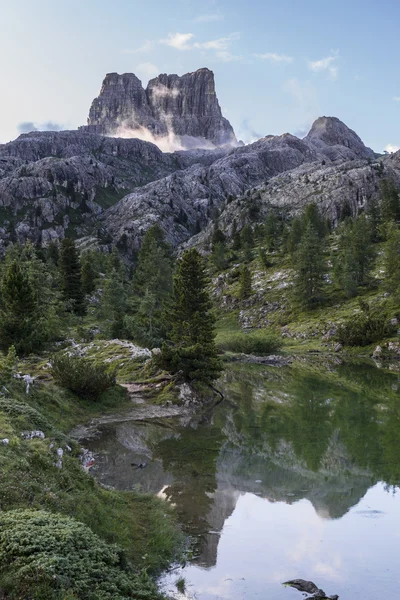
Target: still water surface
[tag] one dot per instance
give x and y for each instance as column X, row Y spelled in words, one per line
column 294, row 475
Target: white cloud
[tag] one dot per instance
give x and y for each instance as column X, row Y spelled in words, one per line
column 221, row 46
column 327, row 64
column 147, row 69
column 273, row 57
column 391, row 148
column 179, row 41
column 144, row 48
column 209, row 18
column 218, row 44
column 396, row 98
column 305, row 107
column 225, row 56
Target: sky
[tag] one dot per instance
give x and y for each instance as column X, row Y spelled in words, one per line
column 278, row 64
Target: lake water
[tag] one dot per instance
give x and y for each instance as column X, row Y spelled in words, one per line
column 294, row 475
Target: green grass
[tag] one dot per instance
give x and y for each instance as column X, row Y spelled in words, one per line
column 259, row 342
column 305, row 328
column 142, row 525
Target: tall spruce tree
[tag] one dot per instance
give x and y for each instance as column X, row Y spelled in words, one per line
column 390, row 200
column 353, row 262
column 88, row 274
column 247, row 242
column 71, row 276
column 19, row 318
column 114, row 304
column 392, row 262
column 310, row 268
column 190, row 346
column 151, row 286
column 245, row 282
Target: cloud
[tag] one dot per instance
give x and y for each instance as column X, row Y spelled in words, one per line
column 305, row 107
column 274, row 58
column 218, row 44
column 391, row 148
column 147, row 46
column 28, row 126
column 396, row 98
column 247, row 133
column 209, row 18
column 225, row 56
column 183, row 41
column 147, row 69
column 161, row 91
column 327, row 64
column 179, row 41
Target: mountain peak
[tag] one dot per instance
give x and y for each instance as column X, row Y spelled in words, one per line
column 331, row 131
column 171, row 106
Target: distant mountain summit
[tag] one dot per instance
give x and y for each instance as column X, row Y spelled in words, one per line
column 344, row 143
column 183, row 112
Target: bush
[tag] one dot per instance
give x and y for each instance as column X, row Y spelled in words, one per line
column 364, row 328
column 23, row 412
column 256, row 342
column 81, row 376
column 51, row 556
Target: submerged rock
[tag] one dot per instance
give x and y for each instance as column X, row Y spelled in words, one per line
column 310, row 588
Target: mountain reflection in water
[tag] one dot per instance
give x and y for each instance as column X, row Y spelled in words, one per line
column 284, row 440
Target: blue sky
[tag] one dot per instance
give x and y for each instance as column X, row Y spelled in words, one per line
column 278, row 64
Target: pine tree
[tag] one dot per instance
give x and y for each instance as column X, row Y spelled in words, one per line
column 151, row 286
column 374, row 213
column 392, row 262
column 310, row 268
column 190, row 346
column 312, row 217
column 71, row 276
column 390, row 201
column 272, row 231
column 218, row 256
column 354, row 260
column 53, row 252
column 294, row 236
column 247, row 242
column 114, row 304
column 88, row 275
column 19, row 318
column 245, row 282
column 217, row 237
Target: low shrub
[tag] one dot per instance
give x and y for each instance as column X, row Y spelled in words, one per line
column 255, row 342
column 365, row 328
column 45, row 556
column 23, row 412
column 81, row 376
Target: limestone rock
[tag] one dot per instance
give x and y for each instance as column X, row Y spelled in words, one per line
column 185, row 106
column 334, row 138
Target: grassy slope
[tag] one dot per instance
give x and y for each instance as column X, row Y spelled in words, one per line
column 141, row 524
column 303, row 330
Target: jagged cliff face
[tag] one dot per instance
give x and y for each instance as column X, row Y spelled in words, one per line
column 185, row 108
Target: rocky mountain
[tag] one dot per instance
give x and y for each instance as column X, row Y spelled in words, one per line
column 184, row 107
column 281, row 171
column 110, row 189
column 53, row 183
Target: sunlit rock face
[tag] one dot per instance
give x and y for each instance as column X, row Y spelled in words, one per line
column 174, row 112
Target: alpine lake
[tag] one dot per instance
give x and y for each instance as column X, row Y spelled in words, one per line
column 294, row 475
